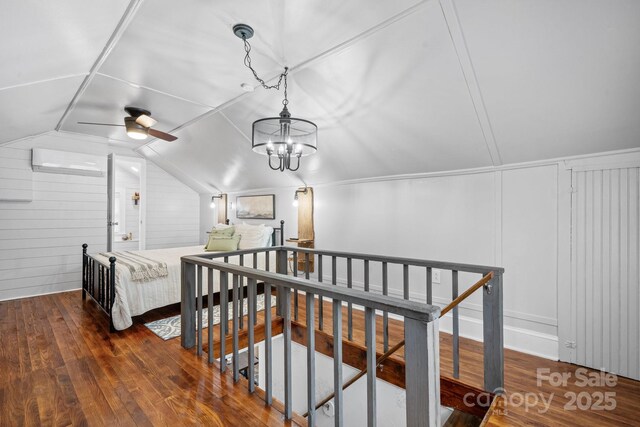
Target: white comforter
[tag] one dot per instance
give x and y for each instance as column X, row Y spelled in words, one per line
column 137, row 297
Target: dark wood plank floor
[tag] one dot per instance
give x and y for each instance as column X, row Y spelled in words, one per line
column 60, row 366
column 520, row 381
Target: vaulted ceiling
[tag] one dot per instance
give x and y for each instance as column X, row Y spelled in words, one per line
column 395, row 87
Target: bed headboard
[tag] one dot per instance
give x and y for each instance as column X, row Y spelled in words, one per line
column 276, row 231
column 277, row 237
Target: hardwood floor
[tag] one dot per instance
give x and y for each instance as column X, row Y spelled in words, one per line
column 60, row 366
column 520, row 382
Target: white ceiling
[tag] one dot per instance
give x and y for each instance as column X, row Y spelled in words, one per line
column 395, row 87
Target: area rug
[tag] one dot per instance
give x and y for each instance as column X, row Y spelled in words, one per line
column 170, row 327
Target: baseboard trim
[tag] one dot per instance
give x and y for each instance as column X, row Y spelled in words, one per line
column 518, row 339
column 40, row 294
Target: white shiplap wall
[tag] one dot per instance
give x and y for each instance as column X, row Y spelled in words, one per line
column 41, row 241
column 173, row 211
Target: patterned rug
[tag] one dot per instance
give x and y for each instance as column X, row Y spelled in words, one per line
column 170, row 327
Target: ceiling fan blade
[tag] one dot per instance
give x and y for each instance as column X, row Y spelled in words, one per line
column 162, row 135
column 145, row 121
column 97, row 124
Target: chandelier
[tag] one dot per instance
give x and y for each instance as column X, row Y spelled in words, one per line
column 284, row 139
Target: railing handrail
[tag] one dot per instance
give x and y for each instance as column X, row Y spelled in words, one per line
column 444, row 265
column 453, row 304
column 406, row 308
column 416, row 262
column 213, row 255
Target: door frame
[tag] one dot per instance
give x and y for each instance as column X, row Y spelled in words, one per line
column 112, row 158
column 567, row 330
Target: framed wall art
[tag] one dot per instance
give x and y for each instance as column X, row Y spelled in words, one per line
column 256, row 207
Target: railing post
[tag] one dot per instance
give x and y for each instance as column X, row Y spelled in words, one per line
column 85, row 282
column 311, row 360
column 422, row 372
column 268, row 347
column 112, row 291
column 493, row 334
column 224, row 317
column 281, row 268
column 370, row 340
column 337, row 363
column 251, row 302
column 188, row 306
column 286, row 334
column 210, row 345
column 199, row 310
column 234, row 333
column 456, row 326
column 320, row 304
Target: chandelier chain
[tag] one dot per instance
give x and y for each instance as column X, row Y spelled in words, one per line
column 247, row 63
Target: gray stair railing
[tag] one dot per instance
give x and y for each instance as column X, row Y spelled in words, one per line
column 493, row 345
column 420, row 330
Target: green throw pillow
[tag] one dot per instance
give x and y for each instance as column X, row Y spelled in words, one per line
column 222, row 232
column 224, row 244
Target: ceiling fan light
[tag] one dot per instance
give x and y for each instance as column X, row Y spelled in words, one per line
column 135, row 130
column 136, row 134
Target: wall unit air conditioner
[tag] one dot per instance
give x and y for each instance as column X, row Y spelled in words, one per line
column 52, row 161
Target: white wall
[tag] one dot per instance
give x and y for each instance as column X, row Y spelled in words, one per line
column 41, row 241
column 173, row 211
column 284, row 211
column 502, row 218
column 506, row 218
column 515, row 217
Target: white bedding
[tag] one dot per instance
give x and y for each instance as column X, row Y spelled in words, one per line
column 137, row 297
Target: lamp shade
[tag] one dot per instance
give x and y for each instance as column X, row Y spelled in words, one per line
column 284, row 135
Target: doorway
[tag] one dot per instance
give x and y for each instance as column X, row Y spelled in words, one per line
column 126, row 207
column 605, row 281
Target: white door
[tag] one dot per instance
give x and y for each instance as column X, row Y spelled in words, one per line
column 605, row 255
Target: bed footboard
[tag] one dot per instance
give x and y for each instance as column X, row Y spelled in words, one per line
column 99, row 282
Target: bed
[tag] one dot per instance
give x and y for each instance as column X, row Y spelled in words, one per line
column 122, row 293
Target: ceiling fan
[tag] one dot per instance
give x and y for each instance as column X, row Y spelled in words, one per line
column 138, row 125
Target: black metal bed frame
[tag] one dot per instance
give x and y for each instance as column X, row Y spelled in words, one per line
column 99, row 280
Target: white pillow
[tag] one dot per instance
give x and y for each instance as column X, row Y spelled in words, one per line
column 244, row 227
column 268, row 232
column 254, row 236
column 251, row 239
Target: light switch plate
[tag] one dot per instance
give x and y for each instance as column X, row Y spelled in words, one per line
column 436, row 275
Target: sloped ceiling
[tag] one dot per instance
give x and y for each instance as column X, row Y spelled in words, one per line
column 395, row 87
